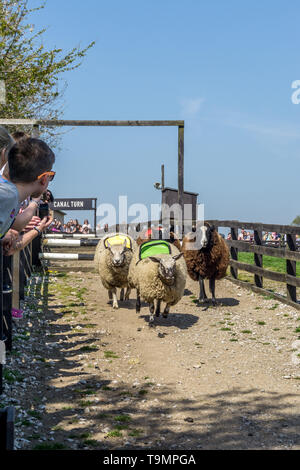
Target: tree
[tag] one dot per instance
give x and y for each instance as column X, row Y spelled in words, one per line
column 296, row 221
column 30, row 72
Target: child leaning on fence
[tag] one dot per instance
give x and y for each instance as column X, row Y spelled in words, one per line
column 30, row 163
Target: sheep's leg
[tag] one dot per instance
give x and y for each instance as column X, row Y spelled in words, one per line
column 122, row 295
column 128, row 290
column 151, row 310
column 109, row 295
column 138, row 302
column 157, row 311
column 212, row 285
column 166, row 311
column 202, row 295
column 115, row 300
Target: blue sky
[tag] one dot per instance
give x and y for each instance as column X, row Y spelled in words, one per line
column 226, row 68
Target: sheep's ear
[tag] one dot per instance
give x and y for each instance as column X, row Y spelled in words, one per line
column 109, row 246
column 153, row 258
column 176, row 257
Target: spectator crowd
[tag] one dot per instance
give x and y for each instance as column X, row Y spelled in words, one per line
column 249, row 236
column 73, row 226
column 267, row 236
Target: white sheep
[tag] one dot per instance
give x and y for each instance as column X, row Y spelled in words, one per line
column 112, row 259
column 161, row 277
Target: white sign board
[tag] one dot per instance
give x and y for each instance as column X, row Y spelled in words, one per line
column 2, row 92
column 2, row 353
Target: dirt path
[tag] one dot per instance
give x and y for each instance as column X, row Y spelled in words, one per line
column 205, row 378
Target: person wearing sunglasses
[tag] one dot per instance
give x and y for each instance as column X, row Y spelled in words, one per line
column 30, row 164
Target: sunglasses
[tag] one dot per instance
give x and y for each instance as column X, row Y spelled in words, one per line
column 50, row 174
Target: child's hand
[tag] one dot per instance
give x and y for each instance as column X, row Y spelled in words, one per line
column 46, row 221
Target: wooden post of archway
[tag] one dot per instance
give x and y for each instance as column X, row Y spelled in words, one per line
column 36, row 123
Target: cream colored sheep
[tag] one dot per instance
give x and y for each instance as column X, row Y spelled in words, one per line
column 161, row 278
column 112, row 259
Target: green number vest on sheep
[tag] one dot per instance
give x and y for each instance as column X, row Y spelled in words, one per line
column 153, row 248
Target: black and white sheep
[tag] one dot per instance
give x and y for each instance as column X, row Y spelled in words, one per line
column 207, row 257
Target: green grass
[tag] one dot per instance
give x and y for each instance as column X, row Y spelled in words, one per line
column 85, row 403
column 88, row 348
column 85, row 435
column 25, row 422
column 121, row 427
column 88, row 391
column 34, row 414
column 122, row 418
column 12, row 376
column 136, row 433
column 273, row 307
column 269, row 262
column 91, row 442
column 50, row 446
column 102, row 416
column 115, row 433
column 110, row 354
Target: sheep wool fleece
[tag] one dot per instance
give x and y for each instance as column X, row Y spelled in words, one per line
column 144, row 276
column 110, row 275
column 208, row 264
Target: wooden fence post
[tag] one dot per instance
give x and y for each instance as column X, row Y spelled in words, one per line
column 7, row 423
column 181, row 174
column 36, row 245
column 234, row 252
column 22, row 278
column 258, row 259
column 16, row 281
column 1, row 317
column 7, row 300
column 291, row 268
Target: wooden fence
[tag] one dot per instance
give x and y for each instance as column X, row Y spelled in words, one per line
column 287, row 248
column 15, row 272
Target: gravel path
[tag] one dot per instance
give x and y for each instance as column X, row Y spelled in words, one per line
column 83, row 376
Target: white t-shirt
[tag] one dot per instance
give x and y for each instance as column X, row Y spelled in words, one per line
column 2, row 169
column 9, row 205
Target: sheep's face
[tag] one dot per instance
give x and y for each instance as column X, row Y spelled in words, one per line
column 201, row 238
column 167, row 267
column 206, row 236
column 117, row 254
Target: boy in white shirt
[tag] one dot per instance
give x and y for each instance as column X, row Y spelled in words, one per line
column 30, row 164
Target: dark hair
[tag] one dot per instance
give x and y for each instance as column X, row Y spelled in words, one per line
column 46, row 197
column 28, row 159
column 19, row 135
column 6, row 140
